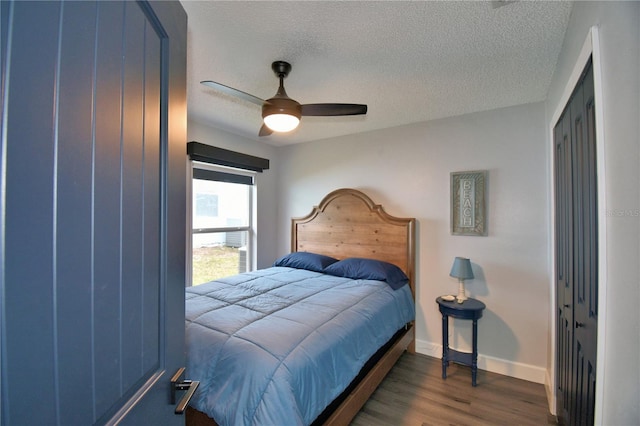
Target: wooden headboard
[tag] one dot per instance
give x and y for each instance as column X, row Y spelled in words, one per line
column 347, row 223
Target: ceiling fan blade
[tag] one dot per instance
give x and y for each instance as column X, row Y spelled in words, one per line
column 265, row 131
column 333, row 109
column 233, row 92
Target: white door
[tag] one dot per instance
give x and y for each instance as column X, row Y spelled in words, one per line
column 92, row 211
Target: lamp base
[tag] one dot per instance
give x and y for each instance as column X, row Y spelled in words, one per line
column 461, row 293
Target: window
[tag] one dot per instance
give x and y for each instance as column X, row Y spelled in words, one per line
column 223, row 230
column 206, row 205
column 222, row 222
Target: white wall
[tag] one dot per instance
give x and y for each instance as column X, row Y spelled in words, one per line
column 619, row 32
column 407, row 170
column 266, row 183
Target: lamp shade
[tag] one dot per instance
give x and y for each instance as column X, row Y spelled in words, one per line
column 281, row 122
column 461, row 269
column 280, row 113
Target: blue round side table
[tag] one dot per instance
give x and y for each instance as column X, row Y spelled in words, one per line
column 470, row 309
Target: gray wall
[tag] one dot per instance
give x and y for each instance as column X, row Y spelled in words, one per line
column 407, row 170
column 619, row 31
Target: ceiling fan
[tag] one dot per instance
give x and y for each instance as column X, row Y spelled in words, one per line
column 281, row 113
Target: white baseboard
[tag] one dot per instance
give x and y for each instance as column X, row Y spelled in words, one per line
column 518, row 370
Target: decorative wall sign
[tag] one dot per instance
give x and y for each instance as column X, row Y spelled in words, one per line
column 468, row 203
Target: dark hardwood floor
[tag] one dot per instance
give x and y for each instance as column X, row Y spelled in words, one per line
column 414, row 393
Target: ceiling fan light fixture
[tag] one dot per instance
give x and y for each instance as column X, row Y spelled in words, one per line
column 281, row 122
column 281, row 114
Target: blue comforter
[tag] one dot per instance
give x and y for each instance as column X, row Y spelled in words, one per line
column 276, row 346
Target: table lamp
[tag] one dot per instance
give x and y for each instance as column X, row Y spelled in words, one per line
column 461, row 270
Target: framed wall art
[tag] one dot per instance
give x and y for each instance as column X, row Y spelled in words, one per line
column 468, row 206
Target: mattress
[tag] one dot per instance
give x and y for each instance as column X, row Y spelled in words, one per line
column 276, row 346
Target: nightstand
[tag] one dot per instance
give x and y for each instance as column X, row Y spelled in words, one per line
column 471, row 309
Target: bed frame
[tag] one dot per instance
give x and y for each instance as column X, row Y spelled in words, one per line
column 347, row 223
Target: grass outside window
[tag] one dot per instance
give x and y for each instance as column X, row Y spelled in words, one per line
column 210, row 263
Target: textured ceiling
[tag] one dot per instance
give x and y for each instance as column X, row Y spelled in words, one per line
column 408, row 61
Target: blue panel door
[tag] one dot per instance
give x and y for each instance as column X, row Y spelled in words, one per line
column 92, row 217
column 577, row 254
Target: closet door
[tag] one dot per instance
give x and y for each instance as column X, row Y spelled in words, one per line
column 586, row 253
column 576, row 254
column 564, row 272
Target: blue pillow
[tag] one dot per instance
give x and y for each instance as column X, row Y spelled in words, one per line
column 368, row 269
column 305, row 260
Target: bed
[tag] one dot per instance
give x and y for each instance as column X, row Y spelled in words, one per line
column 308, row 340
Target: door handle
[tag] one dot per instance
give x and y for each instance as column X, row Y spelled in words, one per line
column 579, row 324
column 181, row 385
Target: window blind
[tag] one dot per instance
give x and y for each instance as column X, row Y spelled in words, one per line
column 223, row 157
